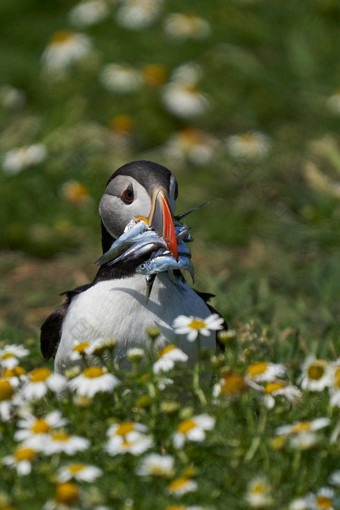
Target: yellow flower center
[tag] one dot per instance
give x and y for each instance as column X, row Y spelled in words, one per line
column 323, row 502
column 316, row 370
column 197, row 324
column 178, row 484
column 248, row 138
column 93, row 372
column 257, row 368
column 185, row 426
column 76, row 192
column 154, row 75
column 191, row 89
column 337, row 378
column 189, row 136
column 60, row 436
column 40, row 375
column 76, row 468
column 6, row 390
column 301, row 426
column 22, row 454
column 175, row 507
column 61, row 36
column 7, row 355
column 259, row 488
column 232, row 384
column 167, row 348
column 81, row 347
column 275, row 386
column 14, row 372
column 122, row 123
column 67, row 493
column 124, row 428
column 40, row 427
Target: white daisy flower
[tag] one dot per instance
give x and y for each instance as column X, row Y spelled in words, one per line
column 21, row 459
column 80, row 472
column 12, row 98
column 120, row 78
column 316, row 374
column 40, row 380
column 59, row 441
column 182, row 486
column 322, row 500
column 333, row 103
column 258, row 493
column 33, row 431
column 194, row 145
column 93, row 380
column 64, row 49
column 189, row 72
column 334, row 478
column 155, row 464
column 280, row 389
column 184, row 100
column 264, row 371
column 302, row 434
column 167, row 358
column 10, row 355
column 135, row 354
column 88, row 13
column 186, row 26
column 248, row 146
column 335, row 385
column 8, row 399
column 138, row 14
column 230, row 385
column 66, row 496
column 128, row 437
column 193, row 429
column 16, row 376
column 17, row 160
column 298, row 504
column 192, row 326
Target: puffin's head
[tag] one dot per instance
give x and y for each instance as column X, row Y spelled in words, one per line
column 139, row 190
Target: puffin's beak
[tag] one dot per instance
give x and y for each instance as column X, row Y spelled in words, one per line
column 162, row 221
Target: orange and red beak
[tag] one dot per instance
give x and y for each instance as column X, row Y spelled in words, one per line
column 161, row 220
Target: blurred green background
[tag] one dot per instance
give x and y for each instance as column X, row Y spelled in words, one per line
column 256, row 134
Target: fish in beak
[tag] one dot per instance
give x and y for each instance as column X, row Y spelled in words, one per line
column 161, row 219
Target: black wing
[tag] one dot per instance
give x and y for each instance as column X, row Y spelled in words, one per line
column 51, row 329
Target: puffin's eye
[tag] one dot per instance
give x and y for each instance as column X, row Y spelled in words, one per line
column 128, row 196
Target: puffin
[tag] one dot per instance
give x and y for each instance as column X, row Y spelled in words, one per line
column 113, row 305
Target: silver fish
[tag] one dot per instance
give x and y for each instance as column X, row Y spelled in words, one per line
column 164, row 263
column 133, row 229
column 143, row 247
column 182, row 233
column 183, row 250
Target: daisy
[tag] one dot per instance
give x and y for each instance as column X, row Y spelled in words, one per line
column 75, row 192
column 258, row 493
column 93, row 380
column 192, row 326
column 264, row 371
column 248, row 146
column 17, row 160
column 67, row 495
column 299, row 504
column 184, row 100
column 138, row 14
column 167, row 358
column 194, row 145
column 59, row 441
column 322, row 500
column 33, row 431
column 88, row 13
column 15, row 376
column 80, row 472
column 120, row 78
column 316, row 374
column 128, row 437
column 186, row 26
column 182, row 486
column 156, row 465
column 302, row 434
column 10, row 355
column 335, row 385
column 21, row 459
column 154, row 75
column 40, row 380
column 8, row 399
column 193, row 429
column 280, row 389
column 64, row 49
column 12, row 98
column 334, row 478
column 230, row 385
column 135, row 355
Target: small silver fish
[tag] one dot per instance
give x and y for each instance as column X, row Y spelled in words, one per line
column 164, row 263
column 143, row 247
column 183, row 250
column 182, row 233
column 133, row 228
